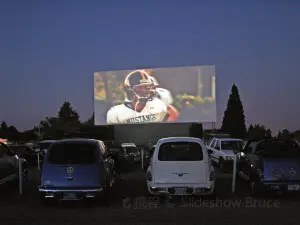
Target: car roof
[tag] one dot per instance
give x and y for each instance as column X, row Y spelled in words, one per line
column 74, row 140
column 47, row 141
column 178, row 139
column 230, row 139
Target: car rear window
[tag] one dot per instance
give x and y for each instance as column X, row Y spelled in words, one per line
column 72, row 153
column 232, row 145
column 278, row 149
column 131, row 149
column 180, row 151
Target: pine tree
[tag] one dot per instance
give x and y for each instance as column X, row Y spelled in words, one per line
column 234, row 118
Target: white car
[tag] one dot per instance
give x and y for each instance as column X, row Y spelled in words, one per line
column 130, row 148
column 180, row 166
column 223, row 151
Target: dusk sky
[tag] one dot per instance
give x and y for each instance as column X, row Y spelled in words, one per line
column 49, row 51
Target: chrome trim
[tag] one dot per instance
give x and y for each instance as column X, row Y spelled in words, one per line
column 70, row 190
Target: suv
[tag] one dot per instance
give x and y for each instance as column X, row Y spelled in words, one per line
column 76, row 169
column 180, row 166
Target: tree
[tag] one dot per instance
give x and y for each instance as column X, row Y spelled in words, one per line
column 297, row 135
column 234, row 118
column 3, row 129
column 285, row 134
column 67, row 121
column 8, row 132
column 258, row 132
column 90, row 121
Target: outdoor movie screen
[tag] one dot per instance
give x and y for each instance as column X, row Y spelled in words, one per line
column 175, row 94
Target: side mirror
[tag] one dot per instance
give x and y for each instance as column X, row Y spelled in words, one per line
column 217, row 147
column 210, row 151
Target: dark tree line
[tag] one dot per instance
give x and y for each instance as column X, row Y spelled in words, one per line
column 234, row 122
column 67, row 123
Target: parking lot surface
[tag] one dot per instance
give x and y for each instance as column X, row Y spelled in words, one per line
column 129, row 203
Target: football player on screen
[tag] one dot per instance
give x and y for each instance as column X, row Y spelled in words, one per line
column 166, row 96
column 140, row 106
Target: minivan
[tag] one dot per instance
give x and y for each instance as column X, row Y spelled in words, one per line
column 76, row 169
column 180, row 166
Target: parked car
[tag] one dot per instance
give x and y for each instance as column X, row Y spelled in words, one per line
column 76, row 169
column 270, row 165
column 223, row 151
column 180, row 166
column 23, row 151
column 123, row 158
column 131, row 150
column 147, row 157
column 9, row 166
column 44, row 145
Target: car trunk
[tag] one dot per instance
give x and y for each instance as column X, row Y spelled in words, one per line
column 276, row 169
column 72, row 164
column 178, row 172
column 73, row 175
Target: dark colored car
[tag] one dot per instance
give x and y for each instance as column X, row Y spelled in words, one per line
column 25, row 152
column 76, row 169
column 147, row 157
column 131, row 151
column 270, row 165
column 42, row 149
column 124, row 160
column 9, row 167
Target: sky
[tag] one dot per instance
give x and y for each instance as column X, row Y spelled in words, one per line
column 49, row 51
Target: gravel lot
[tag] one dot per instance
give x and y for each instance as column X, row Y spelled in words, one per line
column 129, row 204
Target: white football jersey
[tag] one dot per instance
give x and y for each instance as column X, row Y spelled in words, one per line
column 154, row 111
column 164, row 95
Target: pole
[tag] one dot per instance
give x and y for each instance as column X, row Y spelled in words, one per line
column 38, row 161
column 20, row 162
column 234, row 174
column 142, row 159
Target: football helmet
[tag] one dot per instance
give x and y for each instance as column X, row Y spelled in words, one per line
column 138, row 85
column 154, row 81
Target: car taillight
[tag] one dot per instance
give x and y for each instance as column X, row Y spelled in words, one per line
column 212, row 176
column 149, row 176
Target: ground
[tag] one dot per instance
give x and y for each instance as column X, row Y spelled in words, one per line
column 129, row 203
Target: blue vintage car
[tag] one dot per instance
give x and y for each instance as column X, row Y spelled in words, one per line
column 270, row 165
column 76, row 169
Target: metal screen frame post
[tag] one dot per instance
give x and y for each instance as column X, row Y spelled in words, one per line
column 234, row 175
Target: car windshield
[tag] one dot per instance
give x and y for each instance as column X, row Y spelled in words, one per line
column 232, row 145
column 131, row 149
column 278, row 149
column 45, row 145
column 180, row 151
column 72, row 153
column 114, row 150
